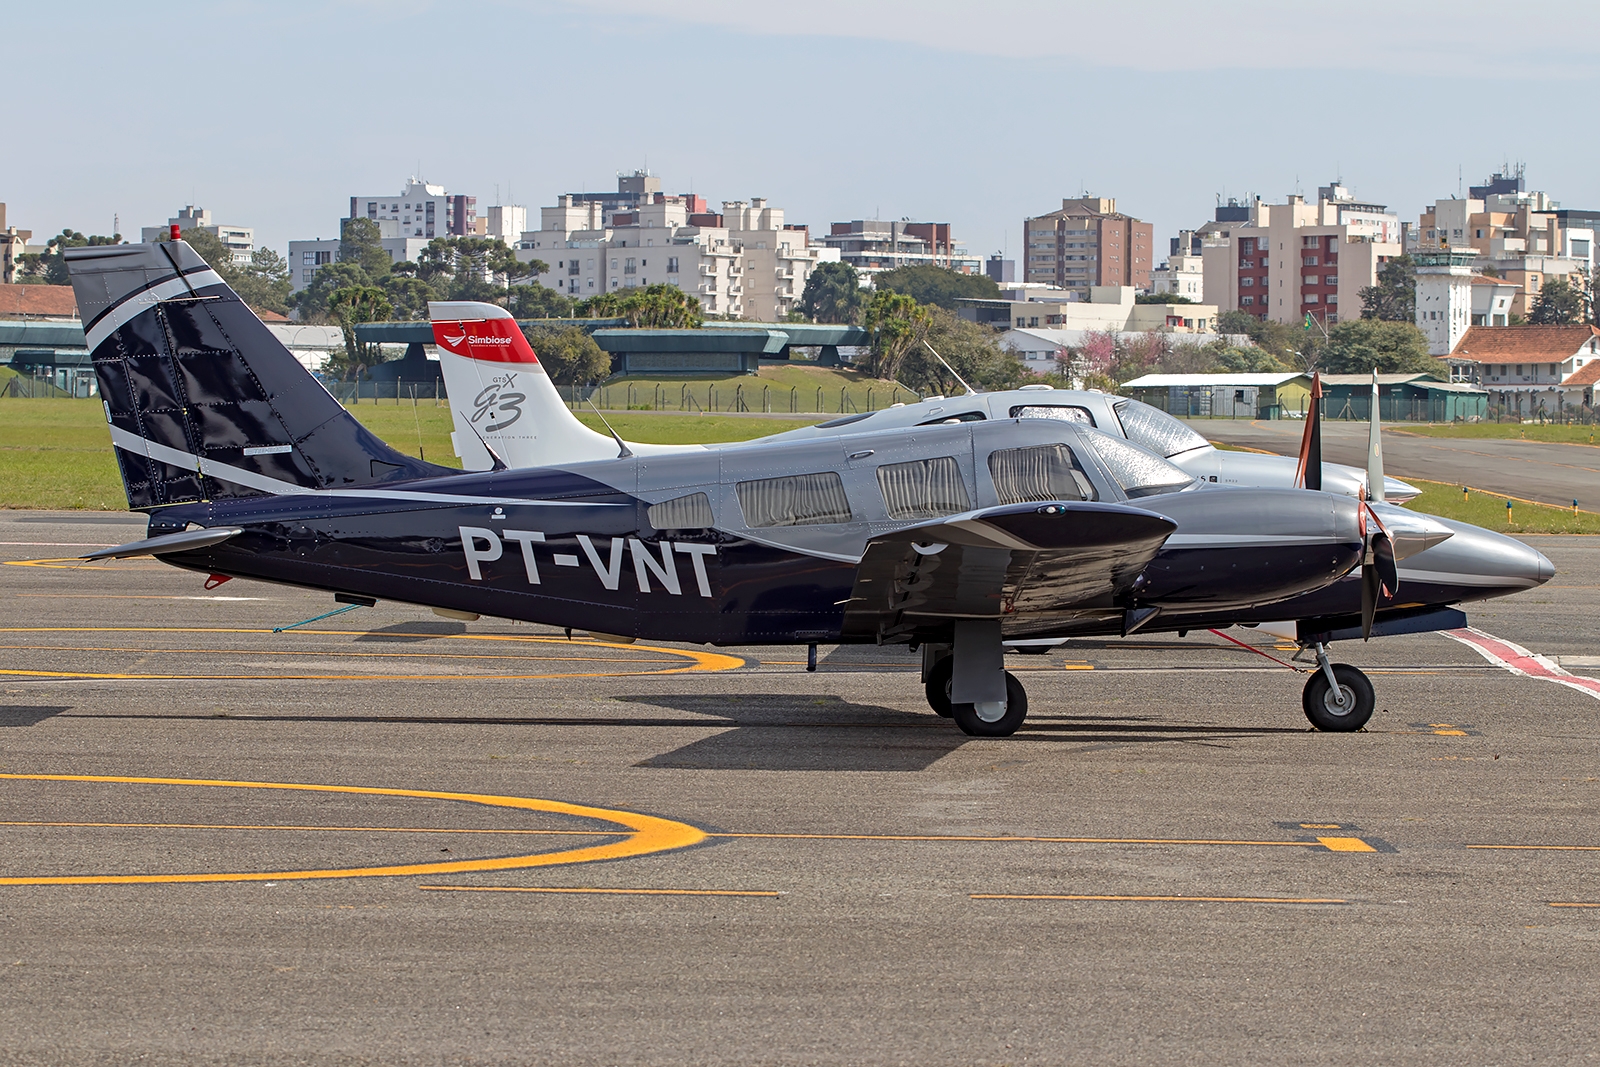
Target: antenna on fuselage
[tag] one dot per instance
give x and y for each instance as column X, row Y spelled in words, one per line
column 623, row 451
column 970, row 390
column 499, row 463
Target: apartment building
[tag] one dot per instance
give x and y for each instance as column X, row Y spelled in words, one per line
column 1524, row 235
column 1087, row 243
column 1297, row 259
column 1183, row 274
column 239, row 240
column 420, row 210
column 744, row 261
column 872, row 246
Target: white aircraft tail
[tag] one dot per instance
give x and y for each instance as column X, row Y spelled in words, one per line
column 501, row 398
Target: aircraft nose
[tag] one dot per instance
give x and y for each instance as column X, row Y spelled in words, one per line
column 1546, row 569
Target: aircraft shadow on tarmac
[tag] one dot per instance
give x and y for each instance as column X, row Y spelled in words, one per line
column 413, row 631
column 764, row 735
column 28, row 716
column 788, row 732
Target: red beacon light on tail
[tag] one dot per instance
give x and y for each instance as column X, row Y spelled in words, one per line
column 177, row 235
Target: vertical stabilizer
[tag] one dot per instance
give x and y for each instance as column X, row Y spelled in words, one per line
column 501, row 396
column 204, row 403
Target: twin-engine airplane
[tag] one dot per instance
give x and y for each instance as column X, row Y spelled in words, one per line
column 952, row 537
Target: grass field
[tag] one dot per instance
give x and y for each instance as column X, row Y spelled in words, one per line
column 786, row 388
column 1567, row 434
column 1489, row 511
column 56, row 454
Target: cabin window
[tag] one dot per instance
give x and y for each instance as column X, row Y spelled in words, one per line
column 1053, row 411
column 923, row 488
column 692, row 512
column 798, row 500
column 1043, row 472
column 965, row 416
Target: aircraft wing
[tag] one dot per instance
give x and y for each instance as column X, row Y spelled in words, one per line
column 1026, row 564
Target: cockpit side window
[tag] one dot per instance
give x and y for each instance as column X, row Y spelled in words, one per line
column 965, row 416
column 923, row 488
column 1041, row 472
column 1064, row 412
column 1154, row 429
column 1138, row 472
column 798, row 500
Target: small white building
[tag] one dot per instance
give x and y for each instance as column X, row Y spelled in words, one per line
column 1183, row 274
column 307, row 257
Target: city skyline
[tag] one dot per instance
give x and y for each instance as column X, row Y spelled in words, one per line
column 880, row 116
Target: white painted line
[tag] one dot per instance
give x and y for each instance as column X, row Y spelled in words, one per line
column 1518, row 660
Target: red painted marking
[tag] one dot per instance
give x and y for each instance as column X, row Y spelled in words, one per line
column 1518, row 660
column 489, row 340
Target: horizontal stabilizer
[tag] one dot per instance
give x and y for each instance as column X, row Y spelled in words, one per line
column 188, row 541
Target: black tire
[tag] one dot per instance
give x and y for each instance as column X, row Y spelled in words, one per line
column 966, row 716
column 937, row 687
column 1317, row 700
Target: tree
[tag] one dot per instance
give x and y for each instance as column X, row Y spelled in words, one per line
column 897, row 324
column 466, row 268
column 1218, row 357
column 1161, row 298
column 361, row 243
column 408, row 295
column 1560, row 303
column 537, row 301
column 972, row 350
column 570, row 356
column 312, row 301
column 1364, row 345
column 349, row 307
column 1394, row 298
column 655, row 307
column 1294, row 346
column 50, row 266
column 832, row 294
column 263, row 283
column 937, row 285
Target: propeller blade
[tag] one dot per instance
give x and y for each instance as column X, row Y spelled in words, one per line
column 1380, row 577
column 1309, row 474
column 1375, row 448
column 1369, row 598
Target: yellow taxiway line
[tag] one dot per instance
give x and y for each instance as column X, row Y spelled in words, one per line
column 647, row 834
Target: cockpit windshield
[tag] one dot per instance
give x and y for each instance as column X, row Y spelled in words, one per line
column 1137, row 471
column 1156, row 430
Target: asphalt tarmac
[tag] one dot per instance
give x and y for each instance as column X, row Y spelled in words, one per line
column 1534, row 470
column 388, row 838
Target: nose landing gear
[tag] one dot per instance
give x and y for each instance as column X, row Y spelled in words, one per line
column 1338, row 698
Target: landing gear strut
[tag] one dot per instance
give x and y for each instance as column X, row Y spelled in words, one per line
column 1338, row 698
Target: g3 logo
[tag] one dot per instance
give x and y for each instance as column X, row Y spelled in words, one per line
column 499, row 403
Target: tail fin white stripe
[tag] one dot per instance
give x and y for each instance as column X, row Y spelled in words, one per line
column 143, row 301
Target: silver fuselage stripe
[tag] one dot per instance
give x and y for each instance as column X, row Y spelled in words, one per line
column 145, row 300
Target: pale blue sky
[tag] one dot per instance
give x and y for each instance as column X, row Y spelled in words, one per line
column 272, row 114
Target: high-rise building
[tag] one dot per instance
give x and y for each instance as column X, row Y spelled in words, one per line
column 1087, row 243
column 744, row 261
column 421, row 210
column 1000, row 270
column 240, row 240
column 1288, row 261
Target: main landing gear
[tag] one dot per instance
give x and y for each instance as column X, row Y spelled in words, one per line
column 992, row 703
column 1338, row 697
